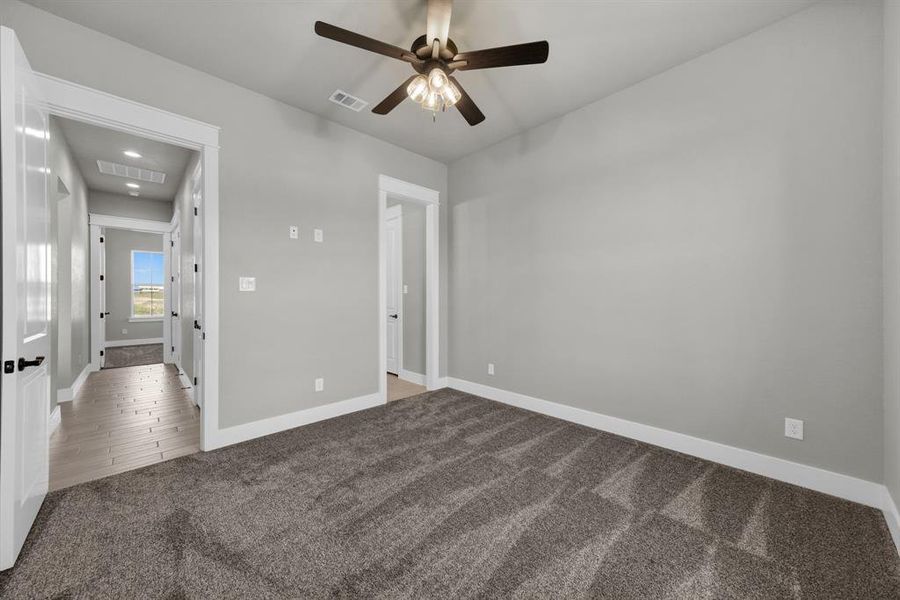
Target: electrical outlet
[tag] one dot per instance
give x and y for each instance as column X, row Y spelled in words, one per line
column 490, row 368
column 124, row 331
column 247, row 284
column 793, row 428
column 318, row 235
column 294, row 232
column 320, row 385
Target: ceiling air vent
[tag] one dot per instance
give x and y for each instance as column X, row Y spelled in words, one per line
column 111, row 168
column 347, row 101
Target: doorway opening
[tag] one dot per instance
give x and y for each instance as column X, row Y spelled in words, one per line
column 125, row 399
column 408, row 299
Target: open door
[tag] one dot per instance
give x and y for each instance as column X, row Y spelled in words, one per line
column 25, row 388
column 394, row 243
column 197, row 197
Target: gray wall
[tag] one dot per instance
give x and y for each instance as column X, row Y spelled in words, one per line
column 414, row 279
column 70, row 341
column 278, row 166
column 120, row 205
column 891, row 189
column 700, row 252
column 184, row 208
column 119, row 244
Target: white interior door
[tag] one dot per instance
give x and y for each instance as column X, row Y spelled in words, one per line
column 394, row 243
column 103, row 312
column 25, row 390
column 175, row 293
column 197, row 195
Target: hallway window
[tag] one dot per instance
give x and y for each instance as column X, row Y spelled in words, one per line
column 147, row 289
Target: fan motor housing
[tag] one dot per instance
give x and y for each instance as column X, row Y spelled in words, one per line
column 421, row 44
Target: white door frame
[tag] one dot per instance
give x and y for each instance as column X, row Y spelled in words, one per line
column 430, row 199
column 80, row 103
column 98, row 223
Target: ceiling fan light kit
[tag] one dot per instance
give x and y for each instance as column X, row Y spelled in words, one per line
column 434, row 57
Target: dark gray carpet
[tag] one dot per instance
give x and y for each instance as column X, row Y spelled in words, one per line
column 446, row 495
column 133, row 356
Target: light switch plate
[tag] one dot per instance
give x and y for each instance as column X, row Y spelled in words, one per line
column 294, row 232
column 318, row 235
column 247, row 284
column 320, row 384
column 490, row 368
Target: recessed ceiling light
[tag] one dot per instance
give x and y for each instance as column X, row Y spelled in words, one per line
column 132, row 154
column 134, row 193
column 133, row 186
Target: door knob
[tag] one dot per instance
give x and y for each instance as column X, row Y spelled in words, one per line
column 395, row 316
column 23, row 364
column 174, row 314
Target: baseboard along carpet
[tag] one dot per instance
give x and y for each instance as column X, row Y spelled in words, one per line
column 133, row 356
column 446, row 495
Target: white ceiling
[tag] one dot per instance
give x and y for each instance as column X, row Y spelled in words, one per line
column 596, row 48
column 89, row 144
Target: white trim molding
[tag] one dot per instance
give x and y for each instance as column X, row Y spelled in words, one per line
column 69, row 393
column 430, row 199
column 814, row 478
column 129, row 223
column 138, row 342
column 892, row 516
column 54, row 421
column 412, row 377
column 66, row 99
column 249, row 431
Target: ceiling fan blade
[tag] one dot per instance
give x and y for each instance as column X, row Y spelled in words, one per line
column 467, row 108
column 366, row 43
column 531, row 53
column 393, row 99
column 437, row 24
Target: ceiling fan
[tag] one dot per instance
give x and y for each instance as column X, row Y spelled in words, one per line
column 435, row 57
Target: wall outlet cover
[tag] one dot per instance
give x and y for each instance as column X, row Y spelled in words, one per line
column 318, row 235
column 490, row 368
column 124, row 331
column 294, row 232
column 247, row 284
column 320, row 384
column 793, row 428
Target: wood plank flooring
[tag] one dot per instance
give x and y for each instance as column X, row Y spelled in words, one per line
column 123, row 419
column 400, row 388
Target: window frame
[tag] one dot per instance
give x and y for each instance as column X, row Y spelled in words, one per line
column 142, row 318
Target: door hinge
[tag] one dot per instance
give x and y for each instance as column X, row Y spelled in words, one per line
column 195, row 381
column 173, row 278
column 101, row 353
column 101, row 278
column 195, row 211
column 101, row 239
column 203, row 336
column 9, row 366
column 195, row 267
column 173, row 348
column 171, row 243
column 101, row 315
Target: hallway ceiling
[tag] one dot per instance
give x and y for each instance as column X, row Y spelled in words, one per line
column 596, row 49
column 89, row 144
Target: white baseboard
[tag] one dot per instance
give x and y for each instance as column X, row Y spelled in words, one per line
column 442, row 382
column 412, row 377
column 67, row 394
column 892, row 516
column 814, row 478
column 141, row 342
column 54, row 421
column 249, row 431
column 186, row 382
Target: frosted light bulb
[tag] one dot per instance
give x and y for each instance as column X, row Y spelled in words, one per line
column 432, row 101
column 451, row 95
column 437, row 79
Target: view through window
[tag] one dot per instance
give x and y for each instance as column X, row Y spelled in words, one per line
column 147, row 275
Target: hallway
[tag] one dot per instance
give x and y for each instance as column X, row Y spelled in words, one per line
column 123, row 419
